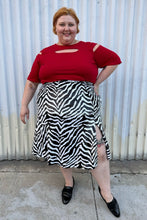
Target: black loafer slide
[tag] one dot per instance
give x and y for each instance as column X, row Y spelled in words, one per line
column 112, row 206
column 67, row 193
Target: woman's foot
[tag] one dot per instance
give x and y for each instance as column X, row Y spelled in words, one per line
column 112, row 205
column 67, row 193
column 106, row 196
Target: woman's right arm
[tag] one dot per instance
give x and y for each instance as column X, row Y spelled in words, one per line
column 28, row 94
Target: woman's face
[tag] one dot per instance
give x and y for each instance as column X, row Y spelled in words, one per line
column 66, row 29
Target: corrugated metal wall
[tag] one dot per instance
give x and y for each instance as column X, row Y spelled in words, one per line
column 121, row 25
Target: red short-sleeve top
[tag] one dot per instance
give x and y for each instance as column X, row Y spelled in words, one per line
column 81, row 63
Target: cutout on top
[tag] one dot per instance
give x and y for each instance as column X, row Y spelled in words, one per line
column 67, row 51
column 95, row 47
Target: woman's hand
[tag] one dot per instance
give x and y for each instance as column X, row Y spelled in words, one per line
column 96, row 87
column 28, row 94
column 24, row 113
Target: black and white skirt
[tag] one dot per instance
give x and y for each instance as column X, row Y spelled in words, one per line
column 65, row 134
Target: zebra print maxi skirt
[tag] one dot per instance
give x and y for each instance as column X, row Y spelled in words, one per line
column 65, row 133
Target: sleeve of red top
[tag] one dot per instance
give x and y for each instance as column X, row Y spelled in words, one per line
column 34, row 74
column 105, row 57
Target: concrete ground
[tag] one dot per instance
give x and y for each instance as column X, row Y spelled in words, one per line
column 31, row 190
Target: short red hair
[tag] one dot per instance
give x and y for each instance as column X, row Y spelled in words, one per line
column 64, row 11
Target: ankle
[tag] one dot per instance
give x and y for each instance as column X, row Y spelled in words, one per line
column 107, row 195
column 69, row 182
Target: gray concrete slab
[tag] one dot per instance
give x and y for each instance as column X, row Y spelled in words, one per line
column 37, row 196
column 131, row 192
column 31, row 190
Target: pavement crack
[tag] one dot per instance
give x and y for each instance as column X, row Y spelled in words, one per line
column 93, row 187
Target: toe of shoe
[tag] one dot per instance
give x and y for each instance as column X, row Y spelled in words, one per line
column 114, row 207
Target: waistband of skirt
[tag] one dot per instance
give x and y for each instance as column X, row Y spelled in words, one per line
column 68, row 82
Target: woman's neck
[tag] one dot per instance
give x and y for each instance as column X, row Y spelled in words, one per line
column 74, row 42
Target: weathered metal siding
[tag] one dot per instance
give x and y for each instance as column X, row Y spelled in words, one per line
column 121, row 25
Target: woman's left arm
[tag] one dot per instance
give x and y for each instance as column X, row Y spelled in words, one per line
column 104, row 74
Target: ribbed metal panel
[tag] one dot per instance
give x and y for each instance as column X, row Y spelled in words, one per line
column 121, row 25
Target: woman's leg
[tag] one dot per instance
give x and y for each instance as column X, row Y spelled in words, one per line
column 68, row 187
column 102, row 176
column 67, row 173
column 102, row 172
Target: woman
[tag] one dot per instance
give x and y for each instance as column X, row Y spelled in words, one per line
column 69, row 128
